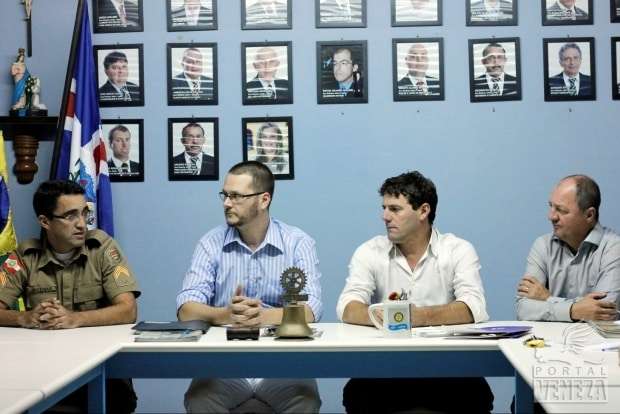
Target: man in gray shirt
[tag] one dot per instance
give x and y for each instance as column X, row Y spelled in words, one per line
column 573, row 273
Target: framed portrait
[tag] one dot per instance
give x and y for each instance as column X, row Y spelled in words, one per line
column 416, row 12
column 615, row 11
column 120, row 75
column 615, row 67
column 340, row 13
column 270, row 141
column 193, row 149
column 418, row 69
column 569, row 69
column 192, row 73
column 342, row 72
column 494, row 69
column 191, row 15
column 266, row 14
column 492, row 12
column 117, row 16
column 566, row 12
column 267, row 73
column 124, row 145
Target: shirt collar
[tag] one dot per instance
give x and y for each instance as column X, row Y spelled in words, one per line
column 432, row 248
column 118, row 163
column 272, row 238
column 491, row 8
column 564, row 8
column 47, row 255
column 566, row 78
column 594, row 237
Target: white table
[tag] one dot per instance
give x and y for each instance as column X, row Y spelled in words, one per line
column 595, row 385
column 13, row 401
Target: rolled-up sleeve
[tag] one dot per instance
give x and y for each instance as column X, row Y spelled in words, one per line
column 307, row 259
column 360, row 284
column 554, row 308
column 467, row 281
column 198, row 284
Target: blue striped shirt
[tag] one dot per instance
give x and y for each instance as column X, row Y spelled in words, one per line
column 222, row 261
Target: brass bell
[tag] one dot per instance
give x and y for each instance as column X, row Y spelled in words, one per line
column 294, row 323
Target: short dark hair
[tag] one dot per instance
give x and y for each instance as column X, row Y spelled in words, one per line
column 262, row 177
column 485, row 51
column 114, row 57
column 121, row 128
column 192, row 125
column 588, row 193
column 415, row 187
column 46, row 197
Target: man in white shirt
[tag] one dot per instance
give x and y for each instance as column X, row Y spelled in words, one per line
column 440, row 274
column 566, row 10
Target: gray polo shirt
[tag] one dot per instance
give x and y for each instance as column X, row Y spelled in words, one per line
column 569, row 277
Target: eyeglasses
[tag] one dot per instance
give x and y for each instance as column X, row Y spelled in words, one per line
column 73, row 216
column 234, row 197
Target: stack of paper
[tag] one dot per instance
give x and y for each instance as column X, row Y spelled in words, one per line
column 607, row 329
column 186, row 331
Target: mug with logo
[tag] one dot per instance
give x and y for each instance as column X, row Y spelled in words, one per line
column 396, row 318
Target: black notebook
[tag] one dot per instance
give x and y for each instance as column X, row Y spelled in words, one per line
column 195, row 325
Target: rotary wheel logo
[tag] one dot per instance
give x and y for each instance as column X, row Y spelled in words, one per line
column 398, row 316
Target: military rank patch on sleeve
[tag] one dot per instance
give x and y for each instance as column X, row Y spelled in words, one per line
column 121, row 276
column 12, row 264
column 3, row 278
column 114, row 255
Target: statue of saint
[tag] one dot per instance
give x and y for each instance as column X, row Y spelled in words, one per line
column 20, row 74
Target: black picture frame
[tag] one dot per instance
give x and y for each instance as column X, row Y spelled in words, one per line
column 329, row 14
column 432, row 85
column 258, row 132
column 615, row 67
column 178, row 21
column 480, row 86
column 110, row 96
column 403, row 14
column 328, row 89
column 255, row 17
column 106, row 17
column 122, row 129
column 257, row 55
column 552, row 14
column 182, row 58
column 179, row 166
column 555, row 85
column 477, row 15
column 614, row 11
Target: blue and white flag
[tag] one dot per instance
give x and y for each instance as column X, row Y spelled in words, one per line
column 82, row 156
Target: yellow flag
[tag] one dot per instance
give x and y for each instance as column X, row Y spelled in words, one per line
column 8, row 241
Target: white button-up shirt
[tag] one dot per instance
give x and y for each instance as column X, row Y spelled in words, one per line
column 449, row 270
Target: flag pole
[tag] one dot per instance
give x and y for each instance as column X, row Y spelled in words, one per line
column 60, row 126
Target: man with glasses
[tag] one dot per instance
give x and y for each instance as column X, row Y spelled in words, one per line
column 347, row 80
column 71, row 278
column 234, row 278
column 193, row 161
column 495, row 81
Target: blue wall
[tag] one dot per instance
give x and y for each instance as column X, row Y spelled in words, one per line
column 493, row 163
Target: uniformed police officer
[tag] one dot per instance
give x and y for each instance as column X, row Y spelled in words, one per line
column 73, row 277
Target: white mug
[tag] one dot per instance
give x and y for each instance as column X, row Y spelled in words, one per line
column 396, row 318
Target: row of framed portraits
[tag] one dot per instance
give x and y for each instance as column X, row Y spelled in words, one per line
column 193, row 150
column 342, row 71
column 183, row 15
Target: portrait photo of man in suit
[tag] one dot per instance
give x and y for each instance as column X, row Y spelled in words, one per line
column 267, row 74
column 265, row 14
column 341, row 74
column 340, row 13
column 615, row 11
column 573, row 82
column 495, row 83
column 491, row 12
column 121, row 151
column 118, row 16
column 416, row 12
column 559, row 12
column 192, row 74
column 114, row 88
column 191, row 15
column 194, row 160
column 417, row 82
column 615, row 58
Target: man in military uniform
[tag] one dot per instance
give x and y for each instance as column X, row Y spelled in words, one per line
column 73, row 277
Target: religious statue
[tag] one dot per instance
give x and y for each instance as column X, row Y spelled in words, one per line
column 25, row 101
